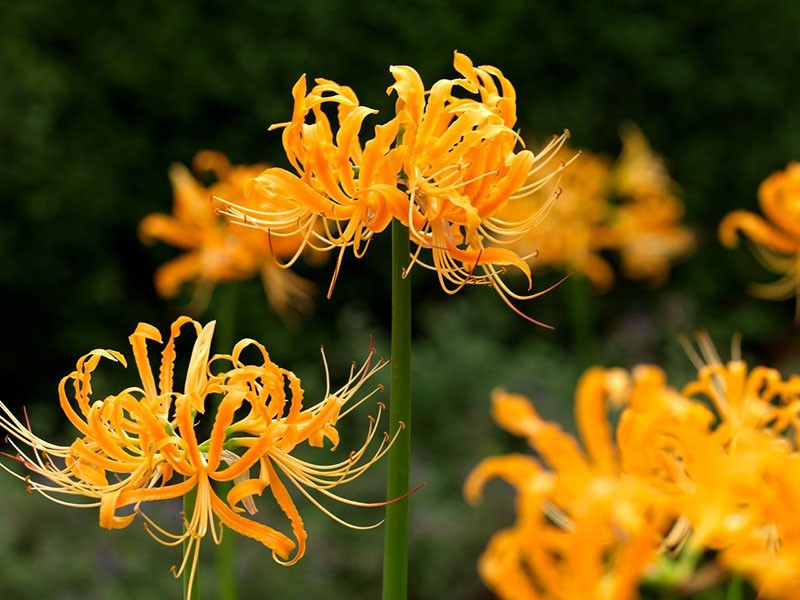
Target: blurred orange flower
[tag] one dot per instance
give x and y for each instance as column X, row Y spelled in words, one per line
column 776, row 239
column 567, row 237
column 629, row 207
column 713, row 467
column 585, row 528
column 216, row 253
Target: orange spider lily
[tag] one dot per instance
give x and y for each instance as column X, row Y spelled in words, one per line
column 443, row 166
column 341, row 195
column 141, row 444
column 776, row 239
column 728, row 473
column 585, row 528
column 646, row 228
column 459, row 166
column 711, row 467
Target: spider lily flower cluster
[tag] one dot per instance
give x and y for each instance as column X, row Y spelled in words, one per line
column 676, row 478
column 444, row 166
column 630, row 208
column 216, row 252
column 776, row 238
column 141, row 445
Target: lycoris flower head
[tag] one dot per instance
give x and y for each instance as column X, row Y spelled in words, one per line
column 215, row 252
column 776, row 239
column 709, row 470
column 459, row 166
column 342, row 191
column 443, row 166
column 585, row 527
column 581, row 208
column 629, row 207
column 141, row 445
column 735, row 475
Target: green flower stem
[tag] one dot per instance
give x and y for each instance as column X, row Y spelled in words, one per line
column 189, row 499
column 395, row 558
column 227, row 588
column 579, row 307
column 735, row 588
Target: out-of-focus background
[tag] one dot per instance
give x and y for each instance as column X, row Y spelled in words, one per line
column 97, row 101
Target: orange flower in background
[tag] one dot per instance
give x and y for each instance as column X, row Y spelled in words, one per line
column 776, row 239
column 579, row 207
column 712, row 468
column 646, row 229
column 728, row 473
column 629, row 207
column 639, row 171
column 647, row 233
column 215, row 252
column 725, row 466
column 141, row 444
column 585, row 528
column 444, row 166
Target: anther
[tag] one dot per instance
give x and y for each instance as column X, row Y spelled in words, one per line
column 381, row 404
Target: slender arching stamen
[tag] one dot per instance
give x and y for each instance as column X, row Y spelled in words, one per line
column 352, row 407
column 320, row 477
column 339, row 470
column 502, row 293
column 327, row 512
column 338, row 266
column 413, row 260
column 64, row 502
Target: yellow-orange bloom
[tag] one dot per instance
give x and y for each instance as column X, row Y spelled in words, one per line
column 443, row 166
column 342, row 192
column 585, row 528
column 712, row 467
column 215, row 252
column 729, row 473
column 776, row 239
column 141, row 444
column 629, row 207
column 567, row 238
column 459, row 165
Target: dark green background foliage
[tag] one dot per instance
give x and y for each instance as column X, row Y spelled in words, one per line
column 97, row 99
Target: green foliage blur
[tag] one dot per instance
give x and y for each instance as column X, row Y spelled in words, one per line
column 98, row 99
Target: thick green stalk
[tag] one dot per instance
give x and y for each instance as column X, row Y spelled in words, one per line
column 735, row 588
column 189, row 499
column 579, row 307
column 395, row 558
column 227, row 588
